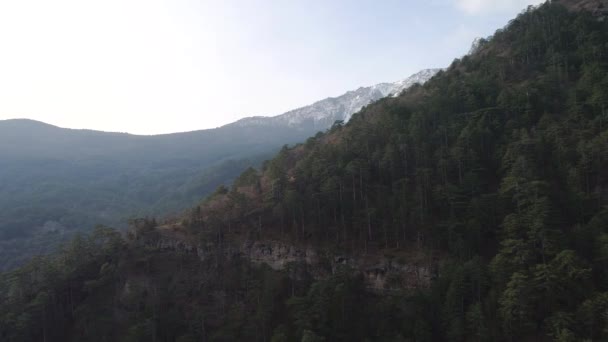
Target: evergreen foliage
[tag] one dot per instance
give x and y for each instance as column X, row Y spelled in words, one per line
column 497, row 166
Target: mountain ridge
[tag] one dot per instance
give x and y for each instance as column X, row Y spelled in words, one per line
column 324, row 113
column 73, row 179
column 362, row 95
column 495, row 170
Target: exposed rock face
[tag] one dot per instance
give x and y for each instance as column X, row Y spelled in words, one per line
column 391, row 275
column 381, row 274
column 278, row 255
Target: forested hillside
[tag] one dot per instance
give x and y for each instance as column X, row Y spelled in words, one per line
column 492, row 176
column 56, row 181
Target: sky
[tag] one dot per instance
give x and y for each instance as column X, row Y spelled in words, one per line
column 153, row 66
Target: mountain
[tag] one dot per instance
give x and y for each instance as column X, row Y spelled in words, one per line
column 323, row 114
column 56, row 181
column 471, row 208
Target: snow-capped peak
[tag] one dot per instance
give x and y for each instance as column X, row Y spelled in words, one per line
column 322, row 114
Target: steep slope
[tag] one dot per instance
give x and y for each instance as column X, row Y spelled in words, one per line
column 493, row 171
column 55, row 181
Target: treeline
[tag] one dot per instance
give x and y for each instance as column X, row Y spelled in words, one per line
column 105, row 288
column 497, row 166
column 41, row 300
column 500, row 162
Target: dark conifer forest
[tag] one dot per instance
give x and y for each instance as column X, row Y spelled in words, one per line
column 471, row 208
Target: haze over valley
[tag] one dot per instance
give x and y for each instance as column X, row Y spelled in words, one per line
column 465, row 202
column 57, row 181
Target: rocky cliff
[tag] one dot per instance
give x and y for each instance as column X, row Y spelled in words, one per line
column 382, row 273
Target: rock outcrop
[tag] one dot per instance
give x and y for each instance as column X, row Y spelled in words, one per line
column 383, row 274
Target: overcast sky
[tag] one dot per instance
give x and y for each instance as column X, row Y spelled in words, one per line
column 151, row 66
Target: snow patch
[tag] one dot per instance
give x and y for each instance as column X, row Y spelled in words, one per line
column 322, row 114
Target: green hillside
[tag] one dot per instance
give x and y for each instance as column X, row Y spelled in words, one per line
column 55, row 181
column 473, row 208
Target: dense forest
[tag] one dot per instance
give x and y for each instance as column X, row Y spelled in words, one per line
column 56, row 181
column 494, row 171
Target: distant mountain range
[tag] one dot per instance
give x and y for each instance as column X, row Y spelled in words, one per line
column 55, row 181
column 474, row 208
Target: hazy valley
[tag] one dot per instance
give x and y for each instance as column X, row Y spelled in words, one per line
column 55, row 182
column 461, row 204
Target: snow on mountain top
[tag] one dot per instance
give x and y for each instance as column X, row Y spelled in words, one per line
column 322, row 114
